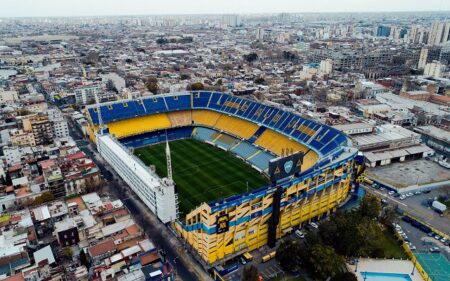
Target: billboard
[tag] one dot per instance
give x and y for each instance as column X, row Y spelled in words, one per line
column 283, row 167
column 222, row 224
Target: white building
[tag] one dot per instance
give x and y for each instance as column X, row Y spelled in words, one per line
column 326, row 66
column 60, row 126
column 86, row 94
column 434, row 69
column 156, row 193
column 440, row 33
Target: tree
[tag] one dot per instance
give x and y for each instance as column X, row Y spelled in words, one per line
column 196, row 86
column 370, row 207
column 67, row 252
column 152, row 85
column 219, row 82
column 8, row 179
column 251, row 57
column 250, row 273
column 83, row 258
column 260, row 80
column 162, row 41
column 345, row 276
column 288, row 254
column 326, row 262
column 43, row 198
column 388, row 215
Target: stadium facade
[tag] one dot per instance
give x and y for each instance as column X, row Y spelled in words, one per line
column 258, row 134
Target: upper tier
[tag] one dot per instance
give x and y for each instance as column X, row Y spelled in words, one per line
column 319, row 137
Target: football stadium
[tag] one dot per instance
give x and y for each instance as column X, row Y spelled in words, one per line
column 230, row 174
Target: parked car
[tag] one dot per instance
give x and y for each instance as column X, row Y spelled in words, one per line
column 382, row 188
column 431, row 234
column 417, row 192
column 437, row 237
column 409, row 194
column 314, row 225
column 391, row 192
column 299, row 234
column 243, row 261
column 412, row 247
column 402, row 197
column 435, row 249
column 443, row 240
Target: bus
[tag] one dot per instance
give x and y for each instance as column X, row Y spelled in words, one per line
column 269, row 256
column 247, row 256
column 368, row 181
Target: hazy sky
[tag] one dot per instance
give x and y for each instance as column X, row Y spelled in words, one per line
column 25, row 8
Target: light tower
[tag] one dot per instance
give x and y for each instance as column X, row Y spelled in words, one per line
column 169, row 160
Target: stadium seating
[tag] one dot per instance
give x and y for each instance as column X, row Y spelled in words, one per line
column 236, row 126
column 224, row 141
column 139, row 125
column 205, row 117
column 277, row 143
column 180, row 118
column 261, row 160
column 178, row 102
column 204, row 134
column 244, row 150
column 157, row 137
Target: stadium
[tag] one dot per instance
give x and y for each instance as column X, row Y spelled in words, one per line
column 230, row 174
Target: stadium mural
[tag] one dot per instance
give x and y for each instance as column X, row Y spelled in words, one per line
column 223, row 148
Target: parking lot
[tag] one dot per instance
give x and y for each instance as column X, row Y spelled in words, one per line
column 416, row 206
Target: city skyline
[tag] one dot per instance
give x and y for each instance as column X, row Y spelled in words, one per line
column 68, row 8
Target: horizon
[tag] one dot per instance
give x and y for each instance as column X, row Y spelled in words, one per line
column 103, row 8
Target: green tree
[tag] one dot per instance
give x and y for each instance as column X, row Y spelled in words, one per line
column 152, row 85
column 260, row 80
column 219, row 82
column 44, row 197
column 345, row 276
column 251, row 57
column 288, row 254
column 196, row 86
column 388, row 215
column 326, row 262
column 67, row 252
column 250, row 273
column 370, row 207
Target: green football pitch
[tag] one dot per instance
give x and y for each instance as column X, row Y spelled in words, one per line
column 202, row 173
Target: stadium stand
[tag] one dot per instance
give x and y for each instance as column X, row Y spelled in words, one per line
column 261, row 160
column 256, row 135
column 244, row 150
column 224, row 141
column 157, row 137
column 205, row 117
column 139, row 125
column 236, row 126
column 278, row 143
column 204, row 134
column 180, row 118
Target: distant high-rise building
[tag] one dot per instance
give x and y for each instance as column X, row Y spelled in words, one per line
column 418, row 35
column 260, row 34
column 232, row 20
column 383, row 31
column 439, row 33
